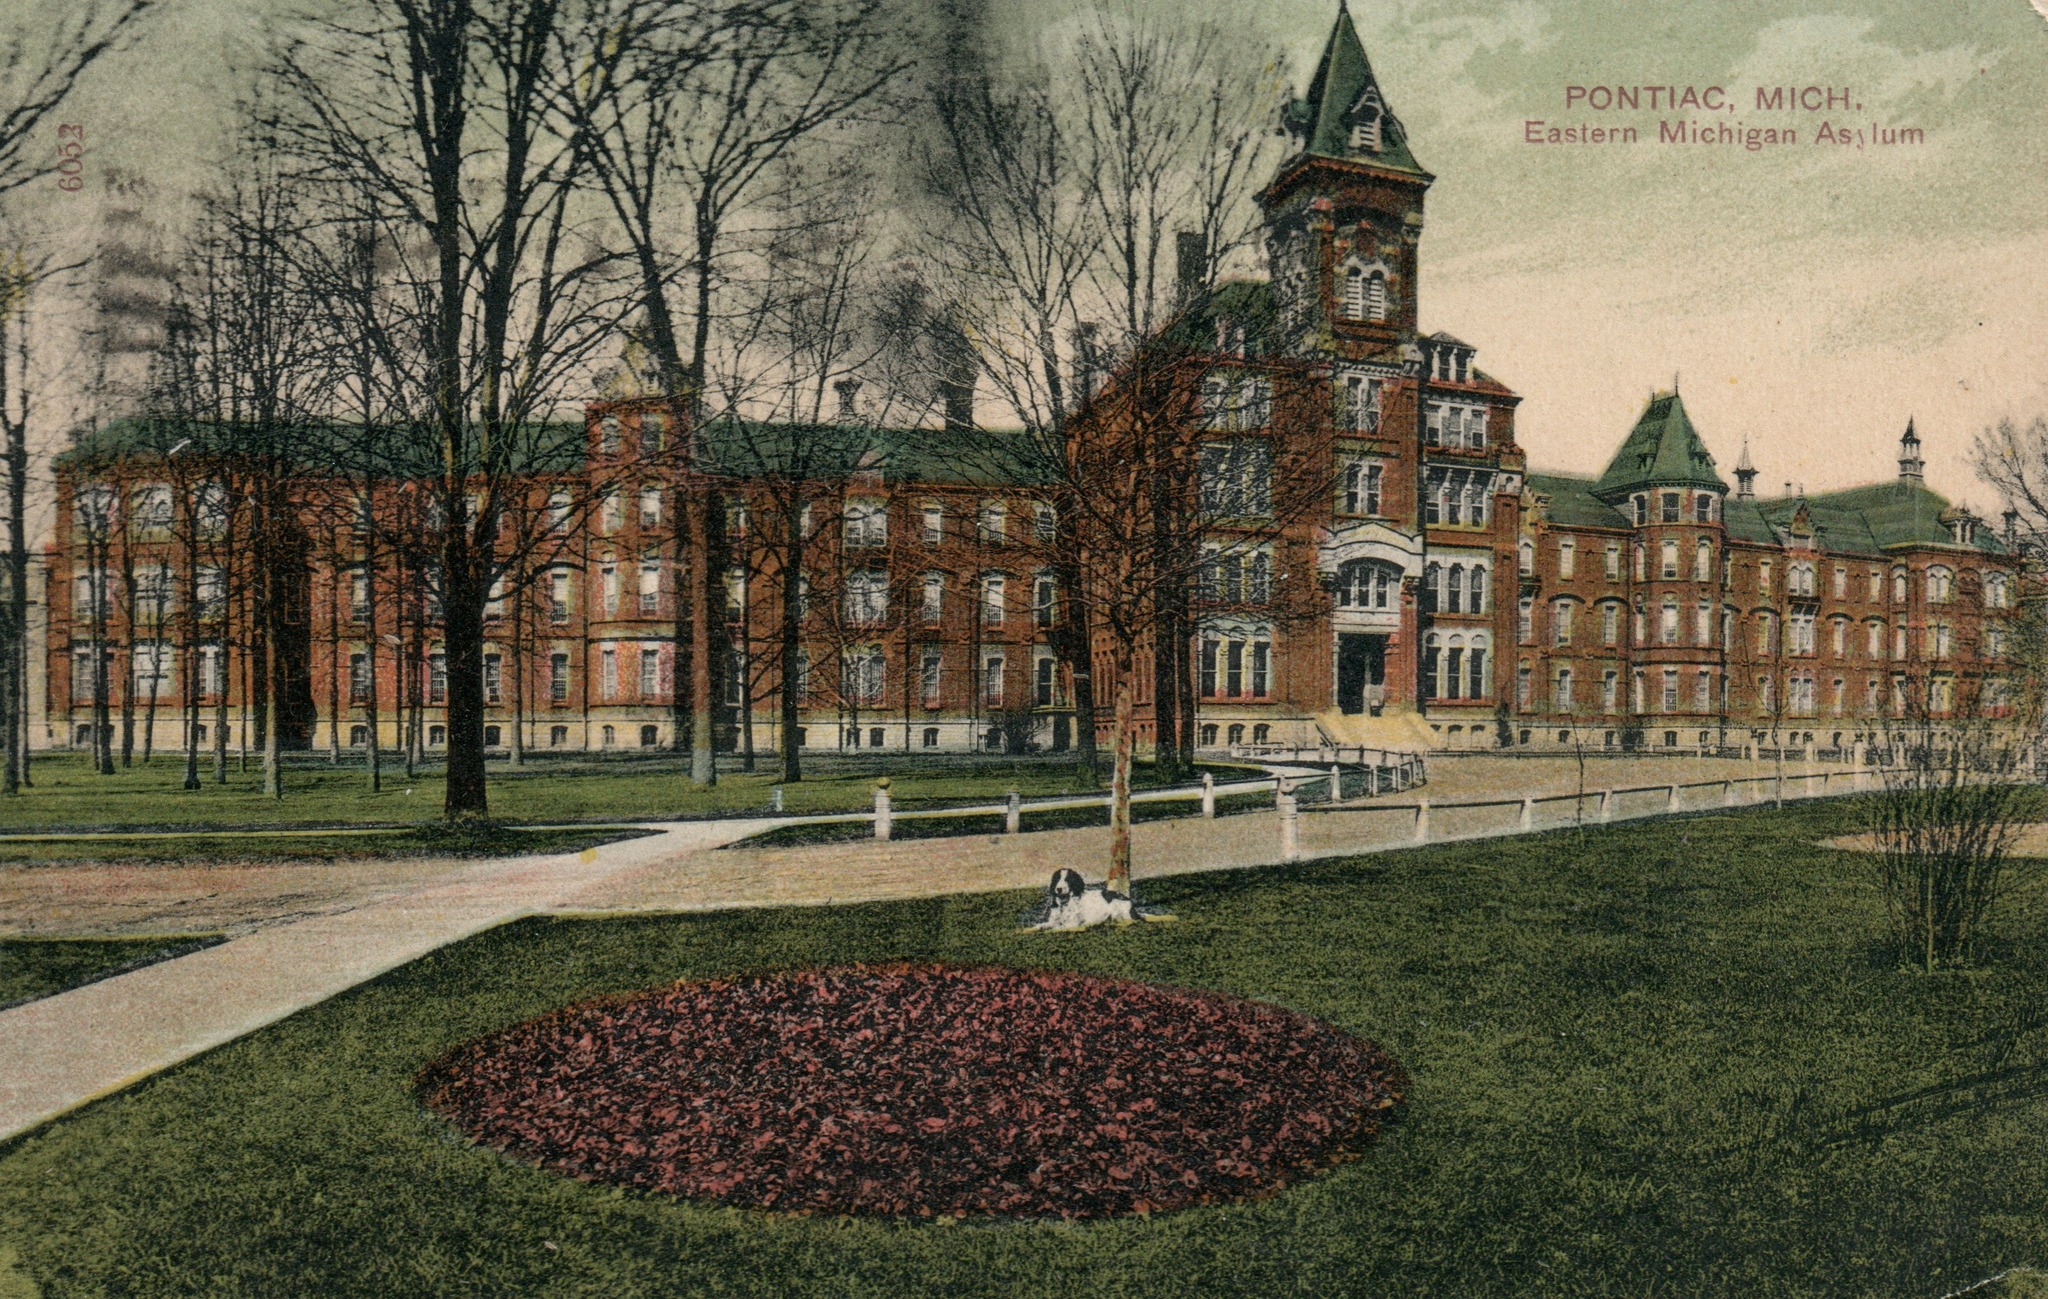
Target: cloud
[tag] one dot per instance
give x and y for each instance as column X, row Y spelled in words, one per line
column 1837, row 49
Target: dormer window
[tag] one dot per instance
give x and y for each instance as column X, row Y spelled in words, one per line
column 1365, row 133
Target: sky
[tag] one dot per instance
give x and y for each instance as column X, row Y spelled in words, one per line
column 1809, row 297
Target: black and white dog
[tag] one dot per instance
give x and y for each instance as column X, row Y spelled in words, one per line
column 1071, row 902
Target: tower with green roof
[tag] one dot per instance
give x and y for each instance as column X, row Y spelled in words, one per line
column 1663, row 459
column 1344, row 211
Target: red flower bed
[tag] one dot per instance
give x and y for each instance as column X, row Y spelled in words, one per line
column 924, row 1089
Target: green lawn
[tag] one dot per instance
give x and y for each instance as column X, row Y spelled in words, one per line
column 68, row 794
column 39, row 967
column 184, row 848
column 1665, row 1059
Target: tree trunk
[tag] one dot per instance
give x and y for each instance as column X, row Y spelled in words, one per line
column 703, row 765
column 463, row 644
column 789, row 695
column 1120, row 783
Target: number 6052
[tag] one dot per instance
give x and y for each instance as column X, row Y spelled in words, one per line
column 70, row 156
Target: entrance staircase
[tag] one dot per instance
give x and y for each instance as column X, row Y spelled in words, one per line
column 1398, row 729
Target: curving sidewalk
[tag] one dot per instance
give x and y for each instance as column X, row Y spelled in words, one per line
column 63, row 1051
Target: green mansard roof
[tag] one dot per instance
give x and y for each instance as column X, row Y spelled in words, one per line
column 740, row 449
column 1663, row 450
column 1343, row 90
column 1858, row 520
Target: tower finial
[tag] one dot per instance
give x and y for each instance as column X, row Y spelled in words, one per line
column 1745, row 474
column 1911, row 467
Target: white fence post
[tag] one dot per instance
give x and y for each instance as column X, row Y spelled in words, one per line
column 1208, row 796
column 1013, row 815
column 882, row 808
column 1336, row 785
column 1421, row 820
column 1290, row 822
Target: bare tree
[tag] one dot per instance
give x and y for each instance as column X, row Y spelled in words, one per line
column 689, row 106
column 450, row 114
column 41, row 64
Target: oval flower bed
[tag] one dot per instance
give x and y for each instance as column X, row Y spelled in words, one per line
column 924, row 1090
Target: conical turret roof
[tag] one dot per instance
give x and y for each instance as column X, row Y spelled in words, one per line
column 1663, row 450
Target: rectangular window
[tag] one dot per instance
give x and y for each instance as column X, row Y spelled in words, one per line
column 1610, row 624
column 1763, row 577
column 1211, row 649
column 151, row 663
column 934, row 597
column 1042, row 523
column 1610, row 681
column 1703, row 624
column 650, row 586
column 867, row 597
column 992, row 600
column 867, row 524
column 1567, row 557
column 992, row 681
column 930, row 678
column 1561, row 622
column 1046, row 682
column 558, row 596
column 1613, row 572
column 862, row 674
column 934, row 523
column 608, row 673
column 1702, row 508
column 1703, row 561
column 1670, row 690
column 1043, row 599
column 494, row 678
column 1703, row 690
column 991, row 522
column 1525, row 623
column 1667, row 623
column 1670, row 507
column 1237, row 478
column 437, row 678
column 611, row 513
column 558, row 677
column 650, row 508
column 608, row 586
column 1669, row 567
column 358, row 677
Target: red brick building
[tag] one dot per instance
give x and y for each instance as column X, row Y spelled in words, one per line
column 1434, row 593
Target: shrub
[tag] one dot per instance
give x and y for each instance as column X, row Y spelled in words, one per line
column 1944, row 827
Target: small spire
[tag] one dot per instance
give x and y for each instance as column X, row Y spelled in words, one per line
column 1745, row 474
column 1911, row 467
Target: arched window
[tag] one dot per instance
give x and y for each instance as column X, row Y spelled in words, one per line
column 1209, row 735
column 1477, row 686
column 1940, row 584
column 1354, row 293
column 1478, row 591
column 1376, row 296
column 1898, row 586
column 1456, row 594
column 1528, row 556
column 1994, row 590
column 1366, row 584
column 1432, row 586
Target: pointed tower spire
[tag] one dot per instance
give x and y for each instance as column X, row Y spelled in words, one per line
column 1745, row 474
column 1911, row 467
column 1345, row 115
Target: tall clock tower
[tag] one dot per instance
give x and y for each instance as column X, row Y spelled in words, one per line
column 1419, row 554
